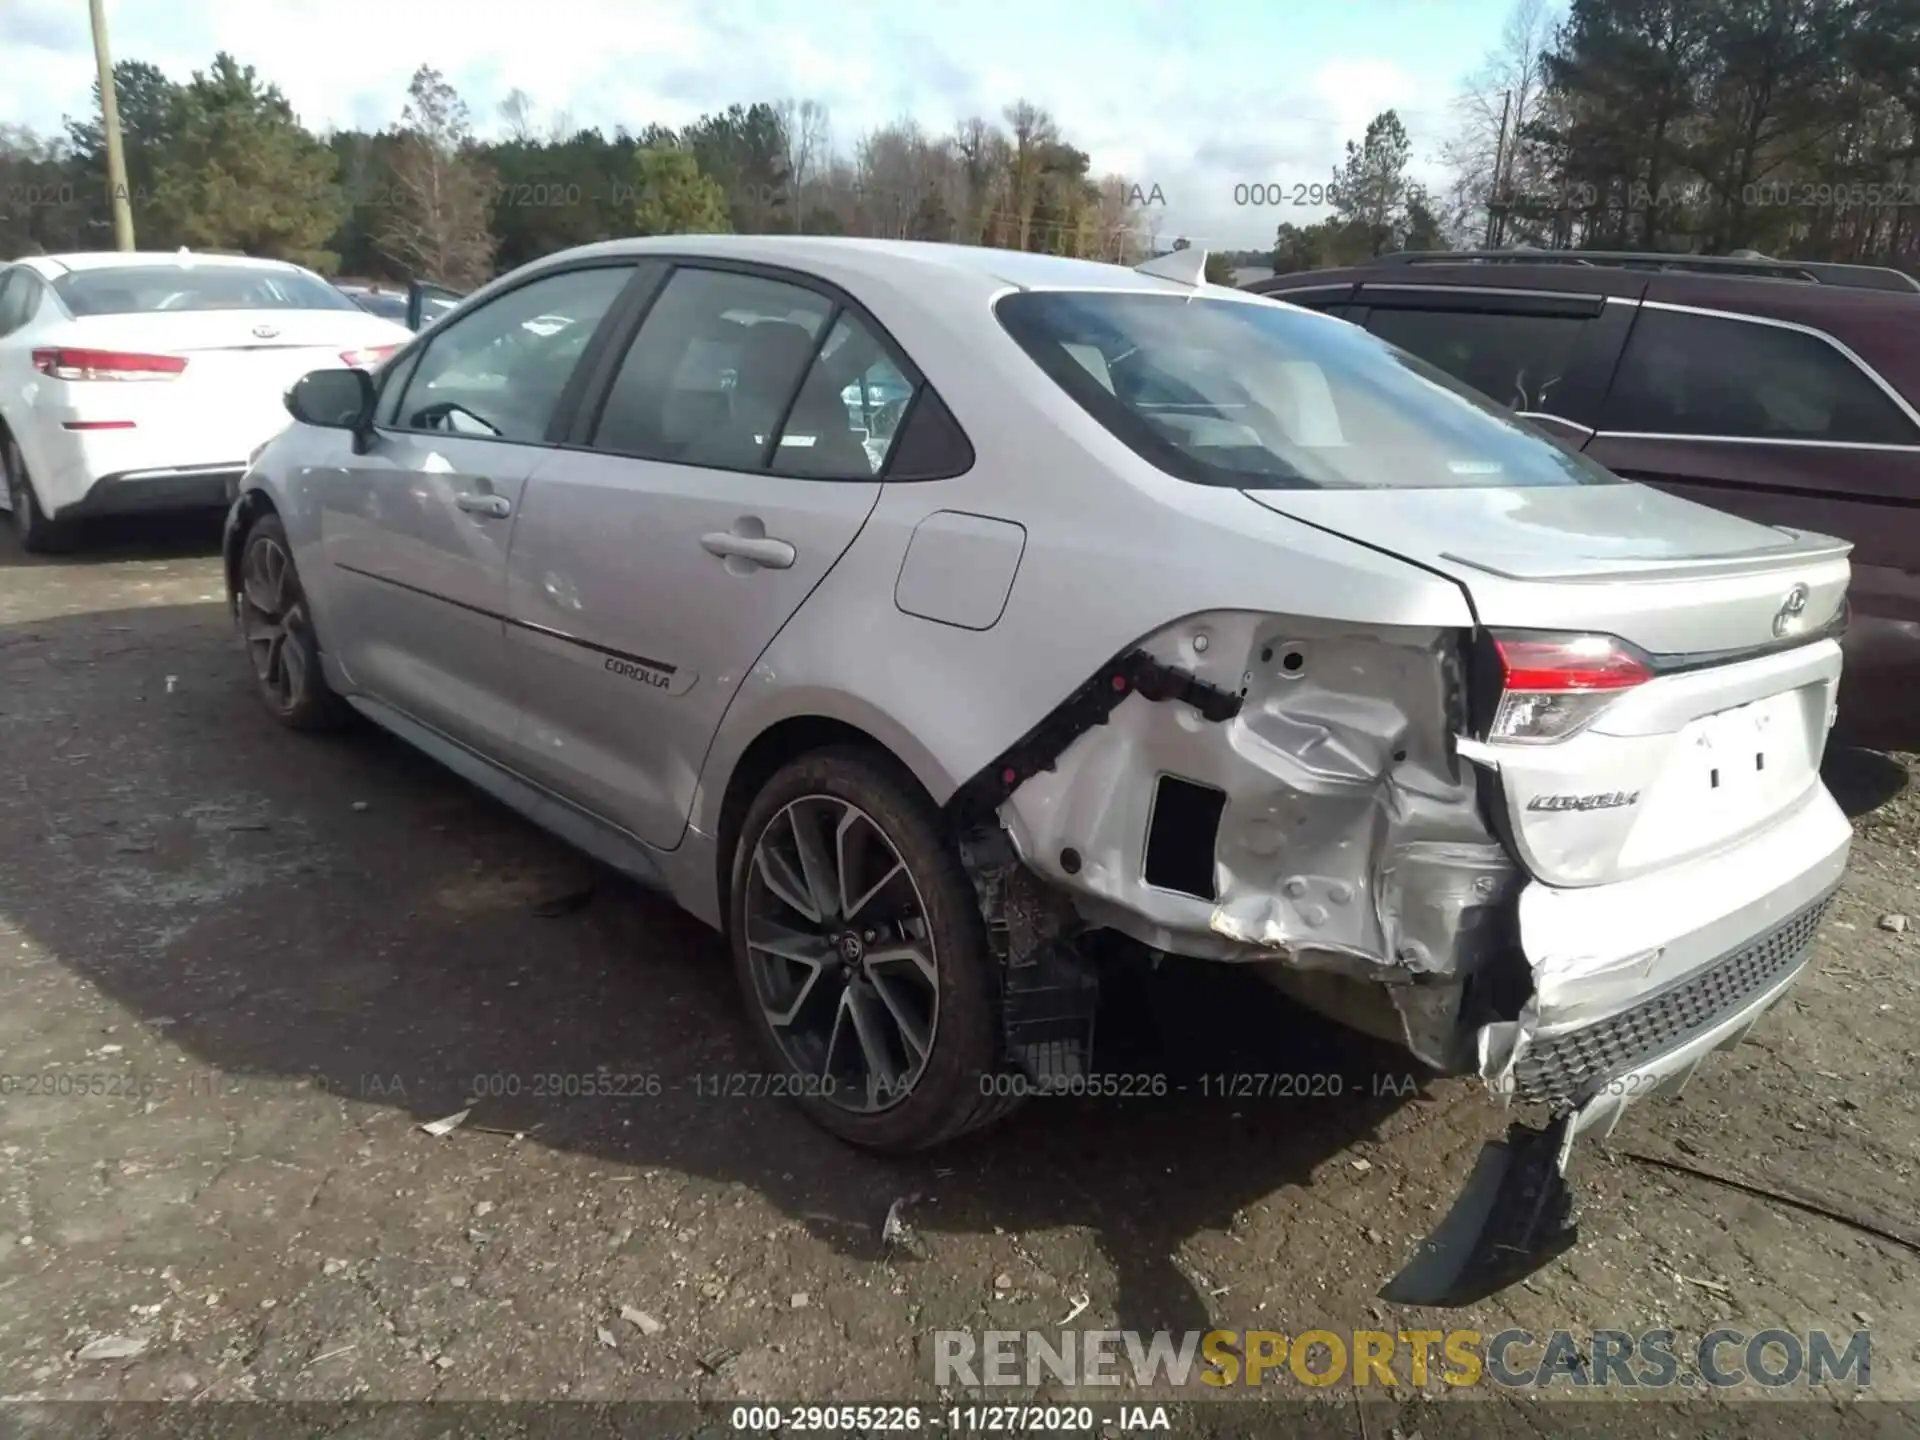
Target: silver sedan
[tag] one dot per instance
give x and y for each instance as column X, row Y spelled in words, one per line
column 932, row 619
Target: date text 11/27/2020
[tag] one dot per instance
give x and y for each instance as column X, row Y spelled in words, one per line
column 1225, row 1085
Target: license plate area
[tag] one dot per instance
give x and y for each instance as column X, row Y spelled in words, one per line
column 1730, row 748
column 1742, row 764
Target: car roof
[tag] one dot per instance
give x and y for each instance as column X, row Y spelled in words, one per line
column 1756, row 294
column 1878, row 325
column 918, row 263
column 53, row 265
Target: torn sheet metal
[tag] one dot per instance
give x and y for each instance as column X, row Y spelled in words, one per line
column 1350, row 839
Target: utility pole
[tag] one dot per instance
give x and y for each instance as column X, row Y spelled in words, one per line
column 110, row 127
column 1499, row 163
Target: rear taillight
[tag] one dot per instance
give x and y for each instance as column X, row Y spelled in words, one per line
column 368, row 357
column 1553, row 685
column 70, row 364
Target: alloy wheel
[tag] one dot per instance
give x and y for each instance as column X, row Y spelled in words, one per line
column 842, row 960
column 273, row 621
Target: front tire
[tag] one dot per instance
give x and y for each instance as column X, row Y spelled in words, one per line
column 862, row 956
column 276, row 627
column 35, row 531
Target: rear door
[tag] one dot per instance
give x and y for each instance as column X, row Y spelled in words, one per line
column 1546, row 355
column 720, row 477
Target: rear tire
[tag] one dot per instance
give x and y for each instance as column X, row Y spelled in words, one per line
column 36, row 533
column 862, row 956
column 276, row 628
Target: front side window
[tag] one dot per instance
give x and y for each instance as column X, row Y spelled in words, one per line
column 713, row 370
column 500, row 371
column 208, row 285
column 1239, row 393
column 1518, row 360
column 1704, row 375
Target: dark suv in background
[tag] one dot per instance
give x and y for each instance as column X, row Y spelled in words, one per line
column 1781, row 391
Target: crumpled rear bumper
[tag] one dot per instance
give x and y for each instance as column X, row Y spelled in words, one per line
column 1634, row 983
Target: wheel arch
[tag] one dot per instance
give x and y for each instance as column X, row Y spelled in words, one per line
column 251, row 505
column 786, row 739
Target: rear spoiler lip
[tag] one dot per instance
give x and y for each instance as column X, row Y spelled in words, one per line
column 1821, row 549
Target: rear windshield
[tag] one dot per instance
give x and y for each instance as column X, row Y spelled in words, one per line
column 1227, row 392
column 131, row 289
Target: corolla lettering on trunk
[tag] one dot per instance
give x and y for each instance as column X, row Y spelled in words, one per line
column 1604, row 800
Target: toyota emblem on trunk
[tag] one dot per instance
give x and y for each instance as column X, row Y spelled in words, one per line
column 1787, row 619
column 264, row 332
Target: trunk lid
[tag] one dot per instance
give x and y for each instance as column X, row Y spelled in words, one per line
column 239, row 362
column 187, row 332
column 246, row 353
column 1665, row 574
column 1726, row 735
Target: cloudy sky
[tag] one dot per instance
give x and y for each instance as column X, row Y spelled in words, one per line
column 1192, row 96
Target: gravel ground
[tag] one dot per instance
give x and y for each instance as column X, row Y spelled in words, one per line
column 256, row 962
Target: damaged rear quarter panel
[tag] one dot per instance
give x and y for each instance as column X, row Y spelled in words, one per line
column 1350, row 839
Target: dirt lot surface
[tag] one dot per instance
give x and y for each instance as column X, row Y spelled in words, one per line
column 239, row 968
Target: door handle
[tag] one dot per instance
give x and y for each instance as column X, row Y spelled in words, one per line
column 496, row 506
column 761, row 550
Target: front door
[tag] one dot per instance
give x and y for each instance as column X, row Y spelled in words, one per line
column 415, row 532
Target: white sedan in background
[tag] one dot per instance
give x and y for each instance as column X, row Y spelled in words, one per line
column 132, row 381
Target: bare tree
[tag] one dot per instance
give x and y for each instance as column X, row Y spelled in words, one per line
column 1120, row 223
column 1503, row 98
column 438, row 221
column 809, row 150
column 1033, row 130
column 982, row 152
column 906, row 181
column 977, row 185
column 516, row 113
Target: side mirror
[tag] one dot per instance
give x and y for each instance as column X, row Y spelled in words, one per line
column 333, row 400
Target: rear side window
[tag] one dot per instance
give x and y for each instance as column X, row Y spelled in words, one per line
column 849, row 408
column 1238, row 393
column 1704, row 375
column 132, row 289
column 1518, row 360
column 710, row 376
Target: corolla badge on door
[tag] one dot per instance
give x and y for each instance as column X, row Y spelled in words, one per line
column 1792, row 613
